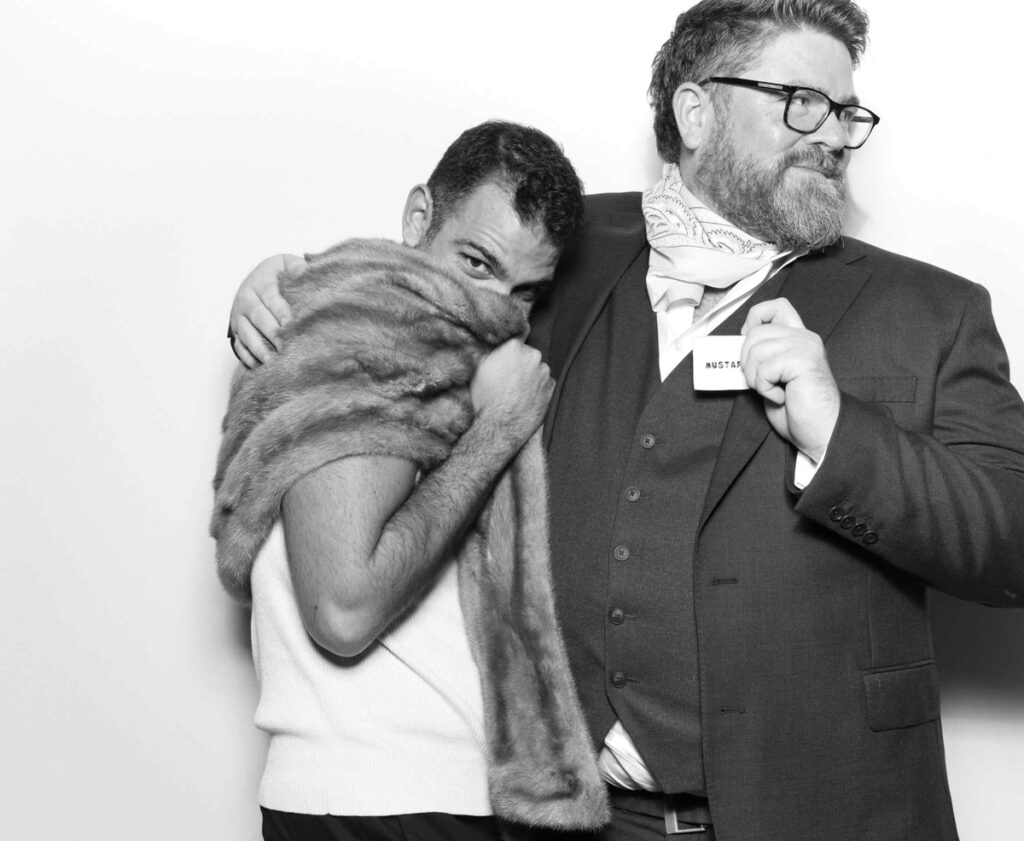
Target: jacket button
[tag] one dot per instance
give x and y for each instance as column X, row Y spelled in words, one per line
column 617, row 616
column 647, row 441
column 858, row 530
column 847, row 522
column 620, row 553
column 632, row 494
column 618, row 680
column 870, row 537
column 835, row 514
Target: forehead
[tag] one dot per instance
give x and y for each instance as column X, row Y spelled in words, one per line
column 487, row 218
column 488, row 206
column 806, row 57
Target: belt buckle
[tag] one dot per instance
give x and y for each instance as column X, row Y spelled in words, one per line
column 673, row 827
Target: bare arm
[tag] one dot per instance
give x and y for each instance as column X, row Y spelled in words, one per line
column 364, row 542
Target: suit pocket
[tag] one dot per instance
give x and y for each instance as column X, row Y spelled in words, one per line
column 902, row 697
column 880, row 389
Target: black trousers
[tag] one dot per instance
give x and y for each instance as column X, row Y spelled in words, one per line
column 636, row 816
column 427, row 826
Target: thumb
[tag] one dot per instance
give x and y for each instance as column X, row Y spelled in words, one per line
column 776, row 311
column 294, row 265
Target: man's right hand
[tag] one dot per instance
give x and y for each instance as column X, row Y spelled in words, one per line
column 513, row 386
column 259, row 312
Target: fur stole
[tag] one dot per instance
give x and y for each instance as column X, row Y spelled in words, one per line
column 377, row 360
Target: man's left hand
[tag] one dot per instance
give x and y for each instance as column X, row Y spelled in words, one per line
column 785, row 363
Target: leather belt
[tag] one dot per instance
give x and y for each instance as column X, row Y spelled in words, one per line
column 684, row 814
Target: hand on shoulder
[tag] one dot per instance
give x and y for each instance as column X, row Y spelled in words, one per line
column 258, row 311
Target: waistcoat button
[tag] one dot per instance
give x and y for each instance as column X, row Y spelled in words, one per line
column 647, row 441
column 618, row 680
column 620, row 553
column 632, row 494
column 617, row 616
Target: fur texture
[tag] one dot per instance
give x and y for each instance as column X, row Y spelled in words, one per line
column 377, row 360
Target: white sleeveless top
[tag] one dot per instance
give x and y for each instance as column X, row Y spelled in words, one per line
column 396, row 730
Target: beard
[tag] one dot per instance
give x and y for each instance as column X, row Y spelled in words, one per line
column 763, row 200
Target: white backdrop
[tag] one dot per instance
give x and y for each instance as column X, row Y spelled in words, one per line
column 153, row 152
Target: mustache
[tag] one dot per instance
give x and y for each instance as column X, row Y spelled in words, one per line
column 828, row 164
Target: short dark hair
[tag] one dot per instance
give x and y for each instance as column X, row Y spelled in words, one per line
column 542, row 184
column 722, row 38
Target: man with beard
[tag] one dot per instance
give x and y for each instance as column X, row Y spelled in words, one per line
column 741, row 573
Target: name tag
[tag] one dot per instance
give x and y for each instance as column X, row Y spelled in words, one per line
column 716, row 364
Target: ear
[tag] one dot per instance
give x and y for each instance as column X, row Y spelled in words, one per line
column 694, row 114
column 419, row 208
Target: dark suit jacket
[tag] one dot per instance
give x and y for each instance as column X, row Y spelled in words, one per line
column 820, row 697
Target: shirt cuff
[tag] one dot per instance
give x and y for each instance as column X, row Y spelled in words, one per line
column 805, row 469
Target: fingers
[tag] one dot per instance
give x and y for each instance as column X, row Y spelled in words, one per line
column 259, row 311
column 517, row 352
column 512, row 375
column 786, row 364
column 772, row 356
column 788, row 367
column 243, row 355
column 776, row 311
column 762, row 343
column 274, row 306
column 269, row 293
column 266, row 324
column 767, row 368
column 251, row 342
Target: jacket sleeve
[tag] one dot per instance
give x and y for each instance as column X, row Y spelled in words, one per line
column 946, row 505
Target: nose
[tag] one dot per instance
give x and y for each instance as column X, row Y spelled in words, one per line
column 830, row 134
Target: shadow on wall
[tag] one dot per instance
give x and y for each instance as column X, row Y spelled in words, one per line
column 241, row 618
column 980, row 652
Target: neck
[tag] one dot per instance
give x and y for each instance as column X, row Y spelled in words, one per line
column 687, row 172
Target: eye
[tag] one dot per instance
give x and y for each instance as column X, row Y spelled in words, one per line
column 529, row 294
column 476, row 267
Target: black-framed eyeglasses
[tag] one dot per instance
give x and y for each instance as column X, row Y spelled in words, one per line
column 807, row 109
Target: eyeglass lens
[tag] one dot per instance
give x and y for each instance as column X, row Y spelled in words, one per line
column 808, row 109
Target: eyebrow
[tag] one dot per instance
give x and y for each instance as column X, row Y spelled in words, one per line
column 496, row 264
column 853, row 100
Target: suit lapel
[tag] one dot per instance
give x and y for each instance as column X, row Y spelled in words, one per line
column 821, row 289
column 612, row 252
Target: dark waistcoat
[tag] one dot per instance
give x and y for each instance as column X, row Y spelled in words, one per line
column 630, row 461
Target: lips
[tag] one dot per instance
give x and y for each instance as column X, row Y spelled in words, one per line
column 820, row 162
column 830, row 173
column 827, row 169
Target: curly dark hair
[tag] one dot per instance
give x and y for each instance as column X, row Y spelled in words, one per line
column 543, row 185
column 722, row 38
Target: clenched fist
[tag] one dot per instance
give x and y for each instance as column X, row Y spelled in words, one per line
column 785, row 363
column 513, row 387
